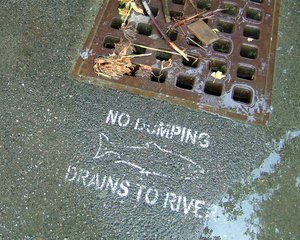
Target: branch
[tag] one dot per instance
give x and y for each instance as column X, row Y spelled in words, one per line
column 164, row 36
column 166, row 10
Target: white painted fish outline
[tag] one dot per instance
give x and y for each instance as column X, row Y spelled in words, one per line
column 102, row 152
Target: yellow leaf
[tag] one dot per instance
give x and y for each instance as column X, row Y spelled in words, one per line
column 122, row 2
column 123, row 12
column 136, row 8
column 218, row 75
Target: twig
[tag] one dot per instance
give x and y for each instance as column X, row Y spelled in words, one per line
column 127, row 16
column 164, row 36
column 193, row 4
column 139, row 55
column 182, row 30
column 210, row 13
column 166, row 10
column 201, row 15
column 187, row 20
column 165, row 51
column 155, row 49
column 103, row 75
column 197, row 44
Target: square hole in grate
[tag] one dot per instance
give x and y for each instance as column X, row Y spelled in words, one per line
column 110, row 41
column 225, row 26
column 251, row 32
column 230, row 9
column 213, row 88
column 175, row 14
column 138, row 49
column 163, row 56
column 172, row 34
column 116, row 23
column 144, row 29
column 204, row 4
column 192, row 62
column 249, row 51
column 181, row 2
column 218, row 65
column 257, row 1
column 242, row 94
column 222, row 46
column 158, row 76
column 254, row 14
column 193, row 41
column 185, row 82
column 153, row 9
column 246, row 72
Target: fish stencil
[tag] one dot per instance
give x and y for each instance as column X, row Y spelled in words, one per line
column 153, row 159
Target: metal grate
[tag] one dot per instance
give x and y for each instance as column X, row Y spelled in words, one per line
column 245, row 54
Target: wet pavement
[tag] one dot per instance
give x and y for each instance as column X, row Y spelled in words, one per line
column 82, row 162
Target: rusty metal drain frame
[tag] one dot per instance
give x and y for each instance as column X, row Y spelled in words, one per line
column 245, row 54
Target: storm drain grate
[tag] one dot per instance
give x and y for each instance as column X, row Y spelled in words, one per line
column 244, row 54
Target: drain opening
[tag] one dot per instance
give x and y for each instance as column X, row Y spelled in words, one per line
column 139, row 50
column 175, row 14
column 257, row 1
column 243, row 95
column 222, row 46
column 224, row 26
column 192, row 62
column 172, row 34
column 194, row 41
column 213, row 88
column 248, row 52
column 110, row 41
column 251, row 32
column 181, row 2
column 254, row 14
column 144, row 29
column 153, row 9
column 247, row 73
column 185, row 82
column 116, row 23
column 158, row 76
column 230, row 9
column 204, row 4
column 235, row 56
column 163, row 56
column 218, row 65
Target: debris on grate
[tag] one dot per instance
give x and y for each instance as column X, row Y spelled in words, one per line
column 203, row 32
column 138, row 46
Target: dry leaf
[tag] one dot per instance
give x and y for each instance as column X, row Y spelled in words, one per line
column 119, row 62
column 123, row 48
column 218, row 75
column 113, row 66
